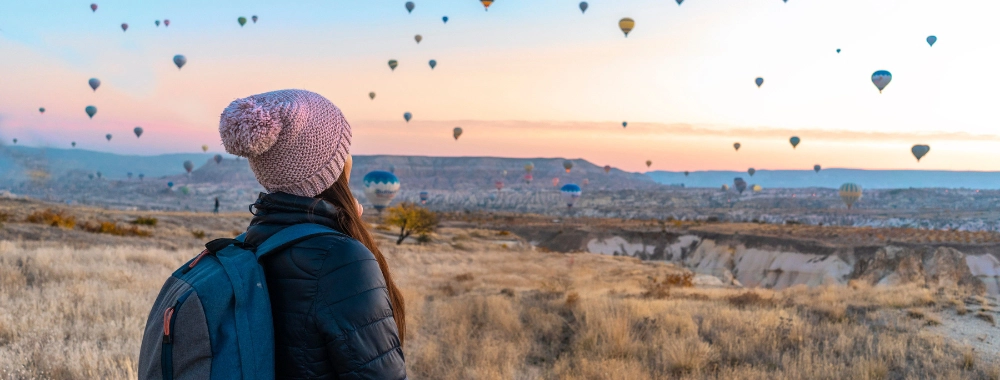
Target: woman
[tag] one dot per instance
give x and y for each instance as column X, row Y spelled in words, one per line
column 337, row 312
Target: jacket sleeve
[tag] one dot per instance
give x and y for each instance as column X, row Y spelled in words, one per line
column 353, row 314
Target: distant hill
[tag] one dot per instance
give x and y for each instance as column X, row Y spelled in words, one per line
column 833, row 178
column 16, row 163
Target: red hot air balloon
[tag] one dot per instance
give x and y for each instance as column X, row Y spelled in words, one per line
column 607, row 169
column 124, row 27
column 93, row 7
column 555, row 182
column 498, row 185
column 166, row 23
column 189, row 166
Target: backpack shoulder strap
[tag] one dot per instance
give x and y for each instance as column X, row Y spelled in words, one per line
column 291, row 235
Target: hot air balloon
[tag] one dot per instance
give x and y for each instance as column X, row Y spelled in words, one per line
column 204, row 148
column 91, row 111
column 73, row 144
column 850, row 193
column 838, row 51
column 444, row 19
column 528, row 177
column 570, row 193
column 881, row 79
column 607, row 169
column 218, row 159
column 529, row 167
column 99, row 175
column 649, row 163
column 180, row 60
column 584, row 6
column 817, row 168
column 188, row 166
column 624, row 124
column 392, row 169
column 456, row 132
column 41, row 109
column 166, row 23
column 157, row 22
column 568, row 165
column 931, row 40
column 393, row 64
column 739, row 184
column 725, row 187
column 919, row 151
column 756, row 188
column 626, row 24
column 91, row 176
column 737, row 146
column 486, row 4
column 94, row 83
column 410, row 6
column 108, row 136
column 418, row 38
column 407, row 116
column 124, row 27
column 128, row 175
column 137, row 131
column 15, row 141
column 498, row 185
column 380, row 188
column 423, row 197
column 371, row 95
column 751, row 171
column 794, row 141
column 141, row 176
column 555, row 182
column 433, row 64
column 253, row 18
column 170, row 185
column 93, row 7
column 759, row 81
column 242, row 20
column 686, row 173
column 679, row 2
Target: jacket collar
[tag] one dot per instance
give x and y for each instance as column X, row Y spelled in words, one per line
column 287, row 209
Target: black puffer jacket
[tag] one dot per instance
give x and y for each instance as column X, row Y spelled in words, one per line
column 332, row 318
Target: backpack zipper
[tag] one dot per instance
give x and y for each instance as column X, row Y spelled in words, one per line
column 167, row 351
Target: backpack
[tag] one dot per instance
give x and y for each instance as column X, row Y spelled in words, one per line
column 212, row 318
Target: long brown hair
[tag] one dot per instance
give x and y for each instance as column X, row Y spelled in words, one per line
column 351, row 224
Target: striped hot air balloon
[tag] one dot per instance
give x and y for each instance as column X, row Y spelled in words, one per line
column 570, row 193
column 881, row 79
column 850, row 193
column 380, row 188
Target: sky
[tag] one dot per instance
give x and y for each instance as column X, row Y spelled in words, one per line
column 527, row 78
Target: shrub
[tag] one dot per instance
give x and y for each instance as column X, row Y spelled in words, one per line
column 198, row 234
column 660, row 289
column 503, row 233
column 145, row 221
column 112, row 228
column 749, row 299
column 464, row 277
column 53, row 218
column 423, row 238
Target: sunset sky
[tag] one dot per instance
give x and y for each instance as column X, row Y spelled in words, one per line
column 528, row 78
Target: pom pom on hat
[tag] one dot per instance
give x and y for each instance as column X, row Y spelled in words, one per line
column 249, row 127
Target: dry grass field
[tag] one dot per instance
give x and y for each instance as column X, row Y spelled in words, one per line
column 483, row 305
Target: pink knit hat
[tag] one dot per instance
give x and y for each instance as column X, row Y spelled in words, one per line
column 296, row 141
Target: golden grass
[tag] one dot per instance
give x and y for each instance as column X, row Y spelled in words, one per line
column 484, row 312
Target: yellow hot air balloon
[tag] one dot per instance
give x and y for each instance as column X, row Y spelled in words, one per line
column 850, row 193
column 204, row 148
column 486, row 3
column 626, row 24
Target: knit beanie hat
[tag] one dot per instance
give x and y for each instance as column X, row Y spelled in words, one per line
column 296, row 141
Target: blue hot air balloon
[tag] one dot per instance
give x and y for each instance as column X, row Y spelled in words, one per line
column 157, row 22
column 931, row 40
column 170, row 185
column 91, row 111
column 380, row 188
column 919, row 151
column 94, row 83
column 424, row 196
column 433, row 64
column 410, row 6
column 759, row 81
column 624, row 124
column 881, row 79
column 407, row 116
column 838, row 51
column 584, row 6
column 445, row 19
column 570, row 193
column 794, row 141
column 180, row 61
